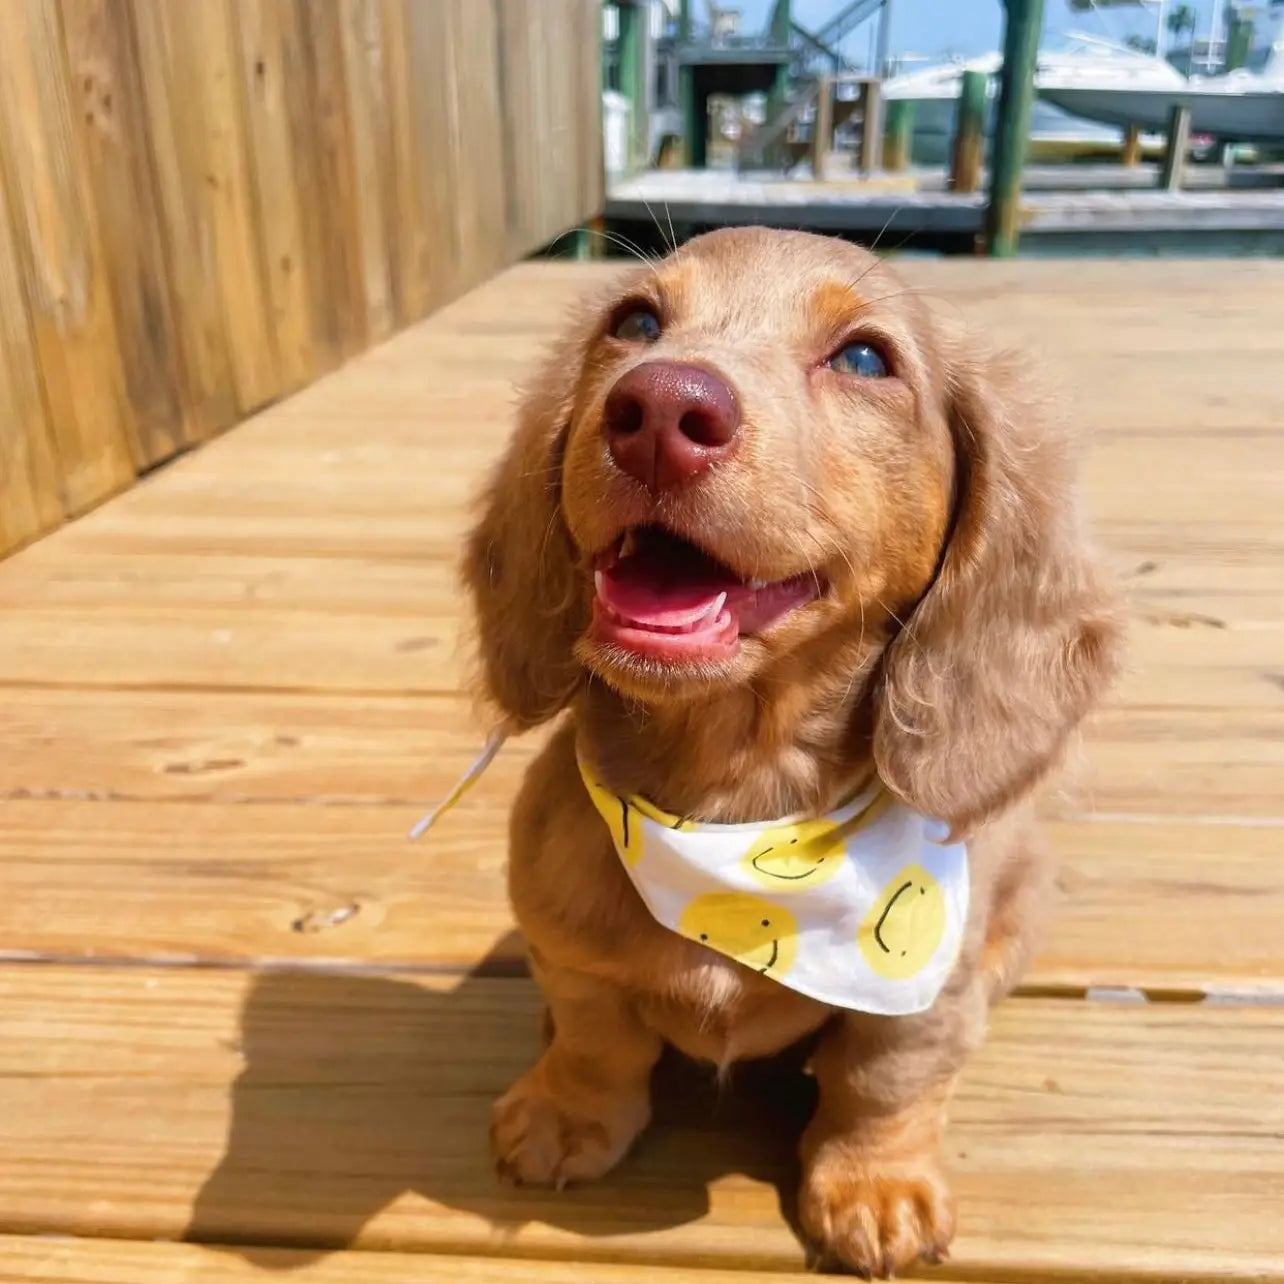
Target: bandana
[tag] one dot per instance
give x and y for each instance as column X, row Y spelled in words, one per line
column 862, row 908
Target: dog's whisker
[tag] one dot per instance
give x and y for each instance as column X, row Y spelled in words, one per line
column 663, row 240
column 882, row 230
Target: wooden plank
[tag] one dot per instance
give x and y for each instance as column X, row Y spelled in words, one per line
column 434, row 169
column 560, row 101
column 137, row 745
column 270, row 50
column 1100, row 1139
column 324, row 650
column 373, row 149
column 277, row 471
column 1121, row 371
column 109, row 95
column 1171, row 905
column 410, row 270
column 42, row 1260
column 324, row 626
column 327, row 177
column 251, row 341
column 61, row 256
column 517, row 137
column 1158, row 903
column 192, row 71
column 191, row 747
column 476, row 116
column 30, row 489
column 588, row 113
column 1181, row 762
column 169, row 58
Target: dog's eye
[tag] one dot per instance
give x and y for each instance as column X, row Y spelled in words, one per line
column 636, row 324
column 860, row 359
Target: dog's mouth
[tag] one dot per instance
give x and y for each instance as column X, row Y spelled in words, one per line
column 664, row 598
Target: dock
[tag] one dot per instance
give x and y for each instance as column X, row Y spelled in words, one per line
column 1101, row 209
column 250, row 1032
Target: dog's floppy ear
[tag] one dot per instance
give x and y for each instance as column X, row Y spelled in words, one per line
column 1017, row 637
column 519, row 562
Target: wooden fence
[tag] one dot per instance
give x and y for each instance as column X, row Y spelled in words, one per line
column 209, row 203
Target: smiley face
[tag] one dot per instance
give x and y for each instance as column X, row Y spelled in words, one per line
column 796, row 857
column 749, row 929
column 905, row 927
column 621, row 819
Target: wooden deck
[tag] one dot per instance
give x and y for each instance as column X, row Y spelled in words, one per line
column 237, row 1008
column 1124, row 206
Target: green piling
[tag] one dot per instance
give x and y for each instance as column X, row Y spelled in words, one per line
column 1021, row 32
column 633, row 80
column 968, row 153
column 898, row 140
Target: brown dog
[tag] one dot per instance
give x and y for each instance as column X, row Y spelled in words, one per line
column 767, row 527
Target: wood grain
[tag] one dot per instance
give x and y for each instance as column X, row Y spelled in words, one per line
column 327, row 177
column 361, row 614
column 108, row 93
column 1154, row 904
column 31, row 498
column 169, row 57
column 60, row 256
column 477, row 117
column 434, row 166
column 144, row 745
column 209, row 204
column 26, row 1260
column 224, row 150
column 271, row 52
column 373, row 154
column 1109, row 1138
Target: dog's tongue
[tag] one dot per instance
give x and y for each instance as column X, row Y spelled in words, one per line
column 655, row 589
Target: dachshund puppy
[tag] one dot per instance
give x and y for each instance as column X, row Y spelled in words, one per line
column 803, row 564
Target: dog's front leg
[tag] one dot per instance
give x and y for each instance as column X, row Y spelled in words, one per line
column 572, row 1116
column 873, row 1197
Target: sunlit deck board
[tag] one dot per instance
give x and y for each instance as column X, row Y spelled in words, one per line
column 225, row 695
column 1156, row 903
column 279, row 746
column 1109, row 1137
column 35, row 1260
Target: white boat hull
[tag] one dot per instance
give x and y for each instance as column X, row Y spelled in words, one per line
column 1252, row 116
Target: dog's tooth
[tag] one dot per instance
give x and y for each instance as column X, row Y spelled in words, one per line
column 709, row 614
column 757, row 584
column 598, row 581
column 628, row 543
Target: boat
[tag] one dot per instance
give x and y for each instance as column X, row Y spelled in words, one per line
column 1082, row 58
column 1239, row 106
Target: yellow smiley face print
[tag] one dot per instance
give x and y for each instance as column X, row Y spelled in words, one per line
column 621, row 818
column 662, row 817
column 905, row 928
column 749, row 929
column 793, row 858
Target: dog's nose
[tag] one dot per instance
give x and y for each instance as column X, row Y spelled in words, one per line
column 667, row 421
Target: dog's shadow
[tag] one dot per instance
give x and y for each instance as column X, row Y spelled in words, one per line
column 358, row 1090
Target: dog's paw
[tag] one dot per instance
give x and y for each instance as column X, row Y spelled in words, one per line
column 875, row 1218
column 540, row 1141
